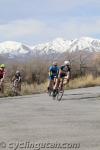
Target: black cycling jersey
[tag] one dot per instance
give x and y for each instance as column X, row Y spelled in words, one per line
column 18, row 77
column 65, row 68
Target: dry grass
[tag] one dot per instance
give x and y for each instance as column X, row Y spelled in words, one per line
column 33, row 88
column 86, row 81
column 27, row 89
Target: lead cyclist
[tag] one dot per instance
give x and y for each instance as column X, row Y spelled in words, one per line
column 64, row 76
column 53, row 75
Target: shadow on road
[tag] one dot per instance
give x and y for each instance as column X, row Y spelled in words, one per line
column 94, row 97
column 77, row 94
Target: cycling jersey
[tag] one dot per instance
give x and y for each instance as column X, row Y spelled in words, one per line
column 53, row 72
column 2, row 73
column 16, row 77
column 64, row 70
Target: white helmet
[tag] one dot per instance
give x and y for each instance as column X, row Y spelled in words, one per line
column 55, row 63
column 17, row 72
column 66, row 63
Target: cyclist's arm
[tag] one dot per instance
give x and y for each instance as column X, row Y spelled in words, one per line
column 50, row 71
column 68, row 76
column 60, row 71
column 69, row 72
column 19, row 80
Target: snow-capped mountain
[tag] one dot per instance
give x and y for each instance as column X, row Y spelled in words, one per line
column 13, row 48
column 85, row 43
column 59, row 45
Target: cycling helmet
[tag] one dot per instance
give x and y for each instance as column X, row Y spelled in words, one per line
column 66, row 63
column 2, row 65
column 17, row 72
column 55, row 63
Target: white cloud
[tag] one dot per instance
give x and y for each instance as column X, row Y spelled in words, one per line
column 74, row 28
column 41, row 31
column 20, row 28
column 77, row 27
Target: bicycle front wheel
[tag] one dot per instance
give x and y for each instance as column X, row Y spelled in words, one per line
column 60, row 95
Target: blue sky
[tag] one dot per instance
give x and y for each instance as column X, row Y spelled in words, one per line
column 37, row 21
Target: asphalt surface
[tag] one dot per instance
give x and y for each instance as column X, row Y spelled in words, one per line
column 26, row 122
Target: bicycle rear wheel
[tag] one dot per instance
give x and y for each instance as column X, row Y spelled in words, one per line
column 50, row 93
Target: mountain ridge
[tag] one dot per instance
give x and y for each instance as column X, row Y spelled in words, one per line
column 59, row 45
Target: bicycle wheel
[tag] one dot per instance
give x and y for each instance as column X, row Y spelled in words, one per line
column 15, row 90
column 54, row 94
column 60, row 94
column 49, row 92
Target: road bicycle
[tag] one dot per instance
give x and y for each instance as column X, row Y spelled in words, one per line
column 15, row 87
column 58, row 93
column 50, row 90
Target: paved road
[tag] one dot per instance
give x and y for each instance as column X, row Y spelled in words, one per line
column 38, row 119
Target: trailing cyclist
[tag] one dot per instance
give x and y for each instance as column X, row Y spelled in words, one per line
column 17, row 82
column 2, row 77
column 53, row 75
column 64, row 76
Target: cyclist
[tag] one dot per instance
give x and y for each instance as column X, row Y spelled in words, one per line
column 53, row 75
column 64, row 75
column 2, row 77
column 17, row 77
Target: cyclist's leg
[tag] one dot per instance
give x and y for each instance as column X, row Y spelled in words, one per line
column 61, row 84
column 66, row 80
column 54, row 81
column 50, row 84
column 56, row 84
column 61, row 81
column 14, row 83
column 15, row 86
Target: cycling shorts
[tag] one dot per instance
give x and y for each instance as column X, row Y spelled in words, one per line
column 52, row 77
column 62, row 75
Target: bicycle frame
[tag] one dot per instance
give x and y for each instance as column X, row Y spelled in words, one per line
column 15, row 87
column 60, row 90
